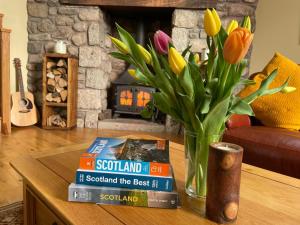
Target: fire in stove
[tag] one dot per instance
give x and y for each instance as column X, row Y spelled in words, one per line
column 131, row 99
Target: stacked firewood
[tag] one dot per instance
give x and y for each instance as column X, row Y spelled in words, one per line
column 57, row 81
column 58, row 119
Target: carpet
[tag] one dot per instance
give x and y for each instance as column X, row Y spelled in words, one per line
column 12, row 214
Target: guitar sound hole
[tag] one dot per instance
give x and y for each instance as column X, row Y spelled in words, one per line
column 26, row 105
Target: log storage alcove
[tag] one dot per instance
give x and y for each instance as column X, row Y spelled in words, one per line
column 223, row 182
column 59, row 91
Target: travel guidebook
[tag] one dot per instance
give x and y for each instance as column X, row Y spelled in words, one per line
column 124, row 180
column 123, row 196
column 130, row 156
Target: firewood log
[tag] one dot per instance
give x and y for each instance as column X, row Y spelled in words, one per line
column 57, row 99
column 51, row 82
column 62, row 63
column 62, row 70
column 50, row 75
column 56, row 72
column 62, row 83
column 50, row 88
column 56, row 120
column 64, row 76
column 58, row 88
column 63, row 95
column 56, row 78
column 55, row 94
column 50, row 98
column 50, row 64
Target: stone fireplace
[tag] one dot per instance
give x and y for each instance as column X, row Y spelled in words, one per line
column 84, row 29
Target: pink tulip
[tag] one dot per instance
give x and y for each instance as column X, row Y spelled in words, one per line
column 161, row 42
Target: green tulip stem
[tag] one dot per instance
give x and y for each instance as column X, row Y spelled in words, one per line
column 210, row 64
column 197, row 149
column 223, row 81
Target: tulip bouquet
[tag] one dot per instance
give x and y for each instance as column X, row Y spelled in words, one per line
column 197, row 93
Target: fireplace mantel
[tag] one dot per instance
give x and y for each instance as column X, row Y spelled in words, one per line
column 183, row 4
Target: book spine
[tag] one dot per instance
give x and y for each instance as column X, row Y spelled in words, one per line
column 125, row 166
column 119, row 196
column 124, row 181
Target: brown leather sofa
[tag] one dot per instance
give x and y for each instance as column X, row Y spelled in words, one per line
column 270, row 148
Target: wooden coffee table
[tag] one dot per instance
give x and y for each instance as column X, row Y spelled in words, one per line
column 266, row 197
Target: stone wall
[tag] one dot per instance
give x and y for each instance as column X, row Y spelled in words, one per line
column 84, row 29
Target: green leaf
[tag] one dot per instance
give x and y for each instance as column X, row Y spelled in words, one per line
column 130, row 42
column 246, row 82
column 162, row 81
column 166, row 65
column 215, row 119
column 222, row 35
column 242, row 107
column 191, row 58
column 205, row 104
column 212, row 85
column 141, row 77
column 185, row 51
column 121, row 56
column 199, row 90
column 148, row 111
column 162, row 102
column 186, row 82
column 266, row 82
column 243, row 23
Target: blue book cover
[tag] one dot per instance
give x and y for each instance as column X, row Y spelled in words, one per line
column 124, row 180
column 132, row 156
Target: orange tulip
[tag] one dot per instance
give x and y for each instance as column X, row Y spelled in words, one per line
column 237, row 45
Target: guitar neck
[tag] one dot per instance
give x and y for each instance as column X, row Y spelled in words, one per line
column 21, row 85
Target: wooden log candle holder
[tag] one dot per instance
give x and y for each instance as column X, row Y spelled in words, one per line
column 223, row 182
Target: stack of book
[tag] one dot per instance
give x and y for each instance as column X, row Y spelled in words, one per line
column 126, row 172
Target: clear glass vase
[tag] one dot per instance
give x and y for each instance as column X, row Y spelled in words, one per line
column 196, row 158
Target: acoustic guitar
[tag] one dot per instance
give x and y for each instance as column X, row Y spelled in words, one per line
column 23, row 111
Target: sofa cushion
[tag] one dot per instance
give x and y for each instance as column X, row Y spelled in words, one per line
column 278, row 110
column 272, row 149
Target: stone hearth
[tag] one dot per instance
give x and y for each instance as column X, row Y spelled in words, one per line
column 84, row 29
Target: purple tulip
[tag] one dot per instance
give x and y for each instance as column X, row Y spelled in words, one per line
column 161, row 42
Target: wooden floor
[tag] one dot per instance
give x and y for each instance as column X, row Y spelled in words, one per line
column 34, row 141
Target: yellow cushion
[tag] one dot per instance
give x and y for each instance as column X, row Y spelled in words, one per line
column 278, row 110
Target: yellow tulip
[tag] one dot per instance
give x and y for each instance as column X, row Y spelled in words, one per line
column 120, row 45
column 212, row 22
column 132, row 73
column 247, row 24
column 146, row 55
column 232, row 26
column 197, row 58
column 176, row 61
column 288, row 89
column 236, row 45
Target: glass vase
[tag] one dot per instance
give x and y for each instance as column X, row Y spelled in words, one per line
column 196, row 157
